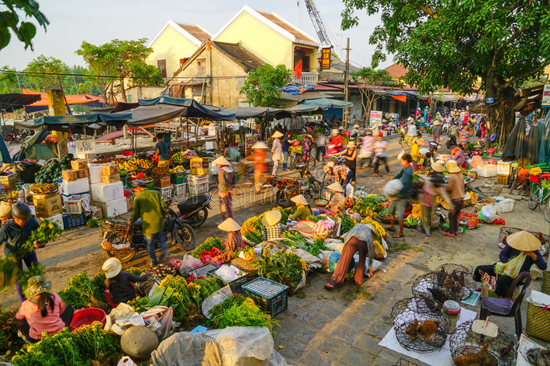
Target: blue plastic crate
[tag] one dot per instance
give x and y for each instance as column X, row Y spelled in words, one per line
column 70, row 221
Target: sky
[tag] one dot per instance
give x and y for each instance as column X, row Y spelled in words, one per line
column 100, row 21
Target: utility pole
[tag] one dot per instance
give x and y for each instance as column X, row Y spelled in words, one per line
column 345, row 117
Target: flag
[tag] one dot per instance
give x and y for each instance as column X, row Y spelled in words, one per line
column 298, row 69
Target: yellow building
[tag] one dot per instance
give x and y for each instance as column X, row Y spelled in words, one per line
column 174, row 44
column 274, row 40
column 215, row 73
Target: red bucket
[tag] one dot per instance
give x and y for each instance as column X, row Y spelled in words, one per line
column 87, row 316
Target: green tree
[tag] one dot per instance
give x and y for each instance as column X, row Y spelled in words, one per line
column 9, row 19
column 365, row 79
column 8, row 80
column 494, row 44
column 43, row 73
column 122, row 62
column 261, row 86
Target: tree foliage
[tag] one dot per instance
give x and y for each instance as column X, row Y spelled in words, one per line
column 261, row 86
column 366, row 78
column 10, row 20
column 456, row 44
column 121, row 62
column 8, row 80
column 43, row 73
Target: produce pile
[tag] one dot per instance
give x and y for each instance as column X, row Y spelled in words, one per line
column 136, row 163
column 347, row 223
column 81, row 292
column 209, row 243
column 239, row 311
column 43, row 188
column 369, row 206
column 9, row 195
column 50, row 172
column 7, row 327
column 178, row 158
column 79, row 348
column 160, row 172
column 47, row 231
column 252, row 228
column 177, row 169
column 282, row 267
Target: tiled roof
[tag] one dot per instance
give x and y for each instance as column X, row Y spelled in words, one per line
column 287, row 27
column 241, row 55
column 195, row 31
column 396, row 70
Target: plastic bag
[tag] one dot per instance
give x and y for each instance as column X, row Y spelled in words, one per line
column 228, row 273
column 122, row 311
column 126, row 361
column 160, row 324
column 216, row 298
column 188, row 263
column 488, row 214
column 333, row 261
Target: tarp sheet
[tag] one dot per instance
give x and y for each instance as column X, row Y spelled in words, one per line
column 326, row 103
column 77, row 123
column 11, row 101
column 194, row 108
column 253, row 112
column 148, row 114
column 78, row 99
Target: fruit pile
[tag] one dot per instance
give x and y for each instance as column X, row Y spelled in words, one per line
column 178, row 169
column 160, row 172
column 43, row 188
column 51, row 171
column 178, row 158
column 135, row 163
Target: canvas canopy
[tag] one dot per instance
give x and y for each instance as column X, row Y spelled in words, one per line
column 326, row 103
column 253, row 112
column 11, row 101
column 192, row 108
column 63, row 123
column 79, row 99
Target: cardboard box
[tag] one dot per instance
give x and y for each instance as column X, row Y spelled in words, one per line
column 107, row 192
column 83, row 173
column 79, row 164
column 200, row 171
column 130, row 202
column 114, row 208
column 75, row 186
column 197, row 162
column 47, row 205
column 110, row 169
column 96, row 171
column 9, row 180
column 162, row 182
column 69, row 175
column 109, row 179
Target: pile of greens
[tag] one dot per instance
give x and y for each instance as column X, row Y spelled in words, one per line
column 81, row 292
column 346, row 224
column 45, row 232
column 209, row 243
column 239, row 311
column 314, row 218
column 252, row 229
column 296, row 238
column 8, row 273
column 78, row 348
column 317, row 246
column 282, row 267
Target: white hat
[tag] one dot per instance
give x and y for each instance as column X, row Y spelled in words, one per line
column 221, row 161
column 411, row 119
column 437, row 123
column 271, row 218
column 351, row 144
column 260, row 145
column 111, row 267
column 229, row 225
column 336, row 187
column 438, row 166
column 423, row 151
column 277, row 134
column 300, row 199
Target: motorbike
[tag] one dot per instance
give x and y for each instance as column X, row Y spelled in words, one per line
column 451, row 142
column 307, row 185
column 124, row 240
column 195, row 209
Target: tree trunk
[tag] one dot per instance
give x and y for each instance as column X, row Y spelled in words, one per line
column 123, row 91
column 501, row 114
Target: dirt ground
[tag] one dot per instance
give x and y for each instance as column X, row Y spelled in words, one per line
column 324, row 328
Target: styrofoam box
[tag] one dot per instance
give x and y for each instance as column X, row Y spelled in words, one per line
column 75, row 186
column 198, row 179
column 504, row 168
column 58, row 219
column 107, row 192
column 198, row 188
column 506, row 205
column 96, row 171
column 180, row 189
column 114, row 208
column 487, row 170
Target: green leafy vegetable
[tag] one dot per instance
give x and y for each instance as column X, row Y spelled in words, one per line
column 238, row 311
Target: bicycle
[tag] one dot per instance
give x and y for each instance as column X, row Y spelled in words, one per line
column 539, row 194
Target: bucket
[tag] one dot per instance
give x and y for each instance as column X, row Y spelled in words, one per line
column 87, row 316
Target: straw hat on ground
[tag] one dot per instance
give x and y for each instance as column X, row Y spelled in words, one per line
column 336, row 187
column 271, row 218
column 524, row 241
column 229, row 225
column 277, row 135
column 37, row 285
column 111, row 267
column 260, row 145
column 300, row 199
column 452, row 166
column 438, row 166
column 221, row 161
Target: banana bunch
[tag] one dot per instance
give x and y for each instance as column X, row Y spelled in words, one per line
column 178, row 169
column 178, row 158
column 128, row 165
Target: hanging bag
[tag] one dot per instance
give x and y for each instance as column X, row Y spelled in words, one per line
column 512, row 267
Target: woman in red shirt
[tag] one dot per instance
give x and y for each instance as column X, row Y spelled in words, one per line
column 42, row 311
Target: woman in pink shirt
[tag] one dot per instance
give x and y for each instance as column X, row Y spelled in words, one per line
column 42, row 311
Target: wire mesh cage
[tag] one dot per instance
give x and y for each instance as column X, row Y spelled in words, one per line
column 460, row 273
column 443, row 286
column 471, row 348
column 418, row 325
column 403, row 362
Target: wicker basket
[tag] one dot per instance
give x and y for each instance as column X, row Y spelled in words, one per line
column 245, row 266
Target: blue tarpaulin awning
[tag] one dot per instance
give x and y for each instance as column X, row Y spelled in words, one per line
column 326, row 103
column 194, row 108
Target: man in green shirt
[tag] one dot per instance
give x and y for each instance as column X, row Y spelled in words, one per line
column 150, row 207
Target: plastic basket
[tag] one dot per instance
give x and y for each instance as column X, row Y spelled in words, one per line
column 70, row 221
column 177, row 178
column 270, row 296
column 236, row 285
column 202, row 271
column 472, row 220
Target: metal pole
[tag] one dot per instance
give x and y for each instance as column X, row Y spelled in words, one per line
column 345, row 117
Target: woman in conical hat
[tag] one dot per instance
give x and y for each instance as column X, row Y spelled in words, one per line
column 234, row 238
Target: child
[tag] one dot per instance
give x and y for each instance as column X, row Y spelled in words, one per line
column 415, row 152
column 432, row 188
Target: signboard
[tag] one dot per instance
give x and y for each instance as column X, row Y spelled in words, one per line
column 325, row 58
column 375, row 118
column 489, row 100
column 62, row 148
column 85, row 146
column 546, row 96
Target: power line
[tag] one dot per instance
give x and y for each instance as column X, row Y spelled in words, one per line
column 45, row 74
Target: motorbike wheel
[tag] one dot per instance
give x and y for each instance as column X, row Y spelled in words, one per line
column 283, row 198
column 183, row 235
column 314, row 191
column 124, row 256
column 198, row 219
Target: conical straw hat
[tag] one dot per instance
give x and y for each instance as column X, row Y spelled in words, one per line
column 229, row 225
column 524, row 241
column 300, row 199
column 271, row 218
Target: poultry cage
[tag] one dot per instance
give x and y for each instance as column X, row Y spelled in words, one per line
column 403, row 362
column 418, row 324
column 445, row 284
column 471, row 348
